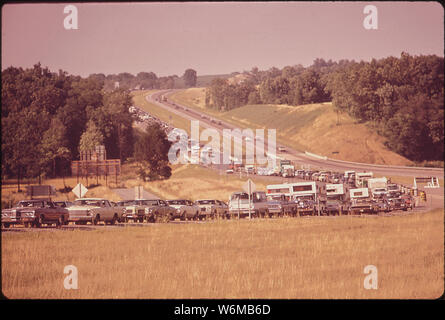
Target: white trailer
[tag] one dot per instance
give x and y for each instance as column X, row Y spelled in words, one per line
column 307, row 190
column 288, row 171
column 378, row 186
column 349, row 173
column 358, row 193
column 335, row 191
column 361, row 179
column 274, row 190
column 374, row 183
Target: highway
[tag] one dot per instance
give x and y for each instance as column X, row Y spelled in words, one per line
column 297, row 156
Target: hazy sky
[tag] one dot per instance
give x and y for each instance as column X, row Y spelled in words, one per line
column 213, row 38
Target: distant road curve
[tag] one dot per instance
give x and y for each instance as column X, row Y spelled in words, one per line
column 299, row 157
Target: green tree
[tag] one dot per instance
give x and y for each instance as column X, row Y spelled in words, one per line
column 91, row 138
column 151, row 154
column 116, row 124
column 53, row 145
column 190, row 77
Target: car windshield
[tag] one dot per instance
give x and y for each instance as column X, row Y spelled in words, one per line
column 177, row 202
column 87, row 203
column 240, row 196
column 60, row 204
column 150, row 202
column 206, row 201
column 129, row 203
column 27, row 204
column 274, row 198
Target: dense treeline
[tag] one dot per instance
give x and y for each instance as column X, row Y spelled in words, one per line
column 47, row 118
column 146, row 80
column 402, row 98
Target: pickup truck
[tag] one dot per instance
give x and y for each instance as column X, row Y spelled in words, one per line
column 35, row 213
column 93, row 210
column 159, row 211
column 305, row 207
column 333, row 207
column 409, row 201
column 364, row 206
column 239, row 204
column 211, row 208
column 185, row 209
column 287, row 207
column 133, row 210
column 397, row 204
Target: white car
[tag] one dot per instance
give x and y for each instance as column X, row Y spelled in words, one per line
column 379, row 192
column 93, row 210
column 185, row 209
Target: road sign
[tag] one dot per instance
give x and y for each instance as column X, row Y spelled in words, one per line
column 80, row 190
column 249, row 186
column 38, row 191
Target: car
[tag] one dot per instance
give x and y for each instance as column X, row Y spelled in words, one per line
column 239, row 204
column 363, row 206
column 379, row 192
column 133, row 210
column 409, row 201
column 93, row 210
column 185, row 209
column 383, row 205
column 286, row 207
column 211, row 209
column 306, row 206
column 281, row 149
column 35, row 213
column 229, row 171
column 63, row 204
column 120, row 208
column 158, row 210
column 397, row 204
column 333, row 207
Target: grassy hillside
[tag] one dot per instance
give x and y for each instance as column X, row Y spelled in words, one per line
column 315, row 128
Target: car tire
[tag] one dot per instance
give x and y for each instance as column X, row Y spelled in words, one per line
column 96, row 220
column 59, row 222
column 39, row 222
column 113, row 221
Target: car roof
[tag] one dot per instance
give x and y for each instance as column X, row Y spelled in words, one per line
column 138, row 200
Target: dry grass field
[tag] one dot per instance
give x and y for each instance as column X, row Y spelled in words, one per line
column 279, row 258
column 195, row 182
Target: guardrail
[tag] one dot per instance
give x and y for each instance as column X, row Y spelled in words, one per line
column 385, row 166
column 316, row 155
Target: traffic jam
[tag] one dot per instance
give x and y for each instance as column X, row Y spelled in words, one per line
column 317, row 193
